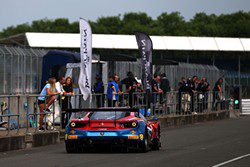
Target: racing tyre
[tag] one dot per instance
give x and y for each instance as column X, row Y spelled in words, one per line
column 156, row 144
column 144, row 146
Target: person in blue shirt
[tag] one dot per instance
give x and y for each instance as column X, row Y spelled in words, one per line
column 113, row 91
column 46, row 98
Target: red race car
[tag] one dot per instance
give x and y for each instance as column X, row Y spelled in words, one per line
column 123, row 127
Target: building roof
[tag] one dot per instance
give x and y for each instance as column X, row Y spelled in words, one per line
column 109, row 41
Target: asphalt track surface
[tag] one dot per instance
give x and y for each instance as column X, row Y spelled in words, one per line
column 205, row 144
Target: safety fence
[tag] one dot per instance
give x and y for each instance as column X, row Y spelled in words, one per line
column 27, row 113
column 173, row 72
column 20, row 69
column 173, row 102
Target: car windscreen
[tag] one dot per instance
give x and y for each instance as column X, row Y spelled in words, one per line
column 108, row 115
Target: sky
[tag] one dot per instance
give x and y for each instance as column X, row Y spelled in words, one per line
column 14, row 12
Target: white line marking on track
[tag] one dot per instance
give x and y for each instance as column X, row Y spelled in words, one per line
column 232, row 160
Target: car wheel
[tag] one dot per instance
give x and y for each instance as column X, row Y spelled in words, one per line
column 144, row 146
column 156, row 144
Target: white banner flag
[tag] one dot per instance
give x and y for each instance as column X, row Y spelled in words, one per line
column 86, row 59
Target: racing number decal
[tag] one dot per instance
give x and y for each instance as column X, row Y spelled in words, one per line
column 141, row 136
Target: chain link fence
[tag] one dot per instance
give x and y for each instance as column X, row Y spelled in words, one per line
column 20, row 69
column 173, row 72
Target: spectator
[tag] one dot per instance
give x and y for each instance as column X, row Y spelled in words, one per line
column 99, row 90
column 192, row 91
column 59, row 85
column 60, row 90
column 155, row 90
column 193, row 83
column 217, row 92
column 66, row 101
column 113, row 91
column 205, row 91
column 46, row 98
column 141, row 97
column 164, row 87
column 156, row 84
column 110, row 91
column 183, row 93
column 131, row 84
column 202, row 94
column 119, row 92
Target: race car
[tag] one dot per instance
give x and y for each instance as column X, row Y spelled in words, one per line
column 125, row 128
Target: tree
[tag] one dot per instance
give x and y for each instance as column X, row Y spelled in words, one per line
column 172, row 24
column 224, row 25
column 133, row 22
column 15, row 30
column 107, row 25
column 203, row 25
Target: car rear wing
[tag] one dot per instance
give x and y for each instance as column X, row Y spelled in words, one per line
column 114, row 109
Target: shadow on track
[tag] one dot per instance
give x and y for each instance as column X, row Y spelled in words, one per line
column 107, row 149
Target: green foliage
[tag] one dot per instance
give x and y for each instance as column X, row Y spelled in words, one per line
column 172, row 24
column 107, row 25
column 224, row 25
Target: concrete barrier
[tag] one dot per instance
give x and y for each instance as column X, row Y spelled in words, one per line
column 181, row 120
column 42, row 139
column 12, row 143
column 29, row 140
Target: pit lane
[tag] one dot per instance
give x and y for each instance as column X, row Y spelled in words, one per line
column 205, row 144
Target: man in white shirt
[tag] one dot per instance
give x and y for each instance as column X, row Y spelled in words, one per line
column 59, row 85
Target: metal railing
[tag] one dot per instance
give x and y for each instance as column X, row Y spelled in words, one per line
column 22, row 113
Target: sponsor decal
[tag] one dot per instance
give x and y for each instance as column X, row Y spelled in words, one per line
column 133, row 137
column 72, row 137
column 132, row 132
